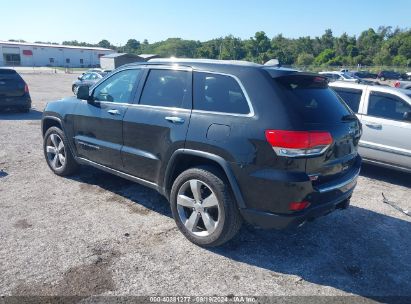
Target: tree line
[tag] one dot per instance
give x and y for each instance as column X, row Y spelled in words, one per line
column 386, row 46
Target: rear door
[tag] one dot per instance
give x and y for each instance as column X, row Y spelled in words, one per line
column 386, row 134
column 98, row 126
column 157, row 124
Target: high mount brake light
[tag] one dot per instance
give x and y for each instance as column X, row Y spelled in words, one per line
column 298, row 143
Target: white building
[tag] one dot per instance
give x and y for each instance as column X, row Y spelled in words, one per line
column 36, row 54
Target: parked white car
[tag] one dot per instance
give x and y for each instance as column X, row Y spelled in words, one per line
column 385, row 113
column 334, row 76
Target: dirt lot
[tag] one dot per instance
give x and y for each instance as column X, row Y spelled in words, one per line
column 96, row 233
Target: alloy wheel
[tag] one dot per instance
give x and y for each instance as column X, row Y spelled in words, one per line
column 56, row 152
column 198, row 208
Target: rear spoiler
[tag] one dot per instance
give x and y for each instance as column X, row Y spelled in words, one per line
column 303, row 79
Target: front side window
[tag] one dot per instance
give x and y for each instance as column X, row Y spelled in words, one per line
column 166, row 88
column 219, row 93
column 119, row 87
column 387, row 106
column 351, row 97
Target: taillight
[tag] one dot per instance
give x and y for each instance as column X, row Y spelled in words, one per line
column 298, row 143
column 298, row 206
column 397, row 84
column 26, row 88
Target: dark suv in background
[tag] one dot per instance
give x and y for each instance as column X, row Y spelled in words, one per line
column 384, row 75
column 14, row 92
column 222, row 141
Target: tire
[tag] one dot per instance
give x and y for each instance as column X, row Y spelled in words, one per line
column 57, row 153
column 74, row 88
column 213, row 203
column 24, row 110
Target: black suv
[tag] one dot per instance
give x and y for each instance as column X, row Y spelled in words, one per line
column 383, row 75
column 14, row 92
column 222, row 141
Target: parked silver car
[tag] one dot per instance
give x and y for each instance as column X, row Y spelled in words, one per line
column 385, row 113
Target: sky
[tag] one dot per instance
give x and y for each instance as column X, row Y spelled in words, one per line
column 156, row 20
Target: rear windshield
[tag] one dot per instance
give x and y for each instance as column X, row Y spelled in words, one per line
column 312, row 99
column 7, row 72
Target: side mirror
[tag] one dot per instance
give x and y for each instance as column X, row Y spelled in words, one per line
column 83, row 92
column 80, row 77
column 407, row 116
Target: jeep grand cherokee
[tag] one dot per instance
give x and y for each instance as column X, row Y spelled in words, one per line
column 223, row 141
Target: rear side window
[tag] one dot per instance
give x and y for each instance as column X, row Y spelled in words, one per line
column 166, row 88
column 219, row 93
column 387, row 106
column 311, row 98
column 351, row 97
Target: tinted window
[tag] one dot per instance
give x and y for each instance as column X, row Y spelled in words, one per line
column 311, row 98
column 387, row 106
column 119, row 87
column 166, row 88
column 219, row 93
column 351, row 97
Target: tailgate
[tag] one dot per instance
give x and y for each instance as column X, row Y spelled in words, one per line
column 315, row 107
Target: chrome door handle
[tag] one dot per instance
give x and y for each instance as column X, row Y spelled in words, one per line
column 114, row 112
column 374, row 126
column 174, row 119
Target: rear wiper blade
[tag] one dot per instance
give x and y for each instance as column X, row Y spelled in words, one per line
column 349, row 117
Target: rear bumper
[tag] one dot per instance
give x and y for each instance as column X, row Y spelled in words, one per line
column 270, row 209
column 15, row 102
column 267, row 220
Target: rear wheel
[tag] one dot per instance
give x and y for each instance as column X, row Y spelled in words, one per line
column 203, row 207
column 25, row 110
column 57, row 153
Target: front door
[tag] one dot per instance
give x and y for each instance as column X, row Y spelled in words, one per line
column 157, row 125
column 98, row 125
column 386, row 136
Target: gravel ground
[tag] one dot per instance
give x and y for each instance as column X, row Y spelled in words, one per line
column 97, row 234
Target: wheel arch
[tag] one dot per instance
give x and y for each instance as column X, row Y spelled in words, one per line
column 184, row 159
column 50, row 121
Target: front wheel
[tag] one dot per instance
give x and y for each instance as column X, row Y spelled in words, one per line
column 74, row 88
column 203, row 207
column 57, row 152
